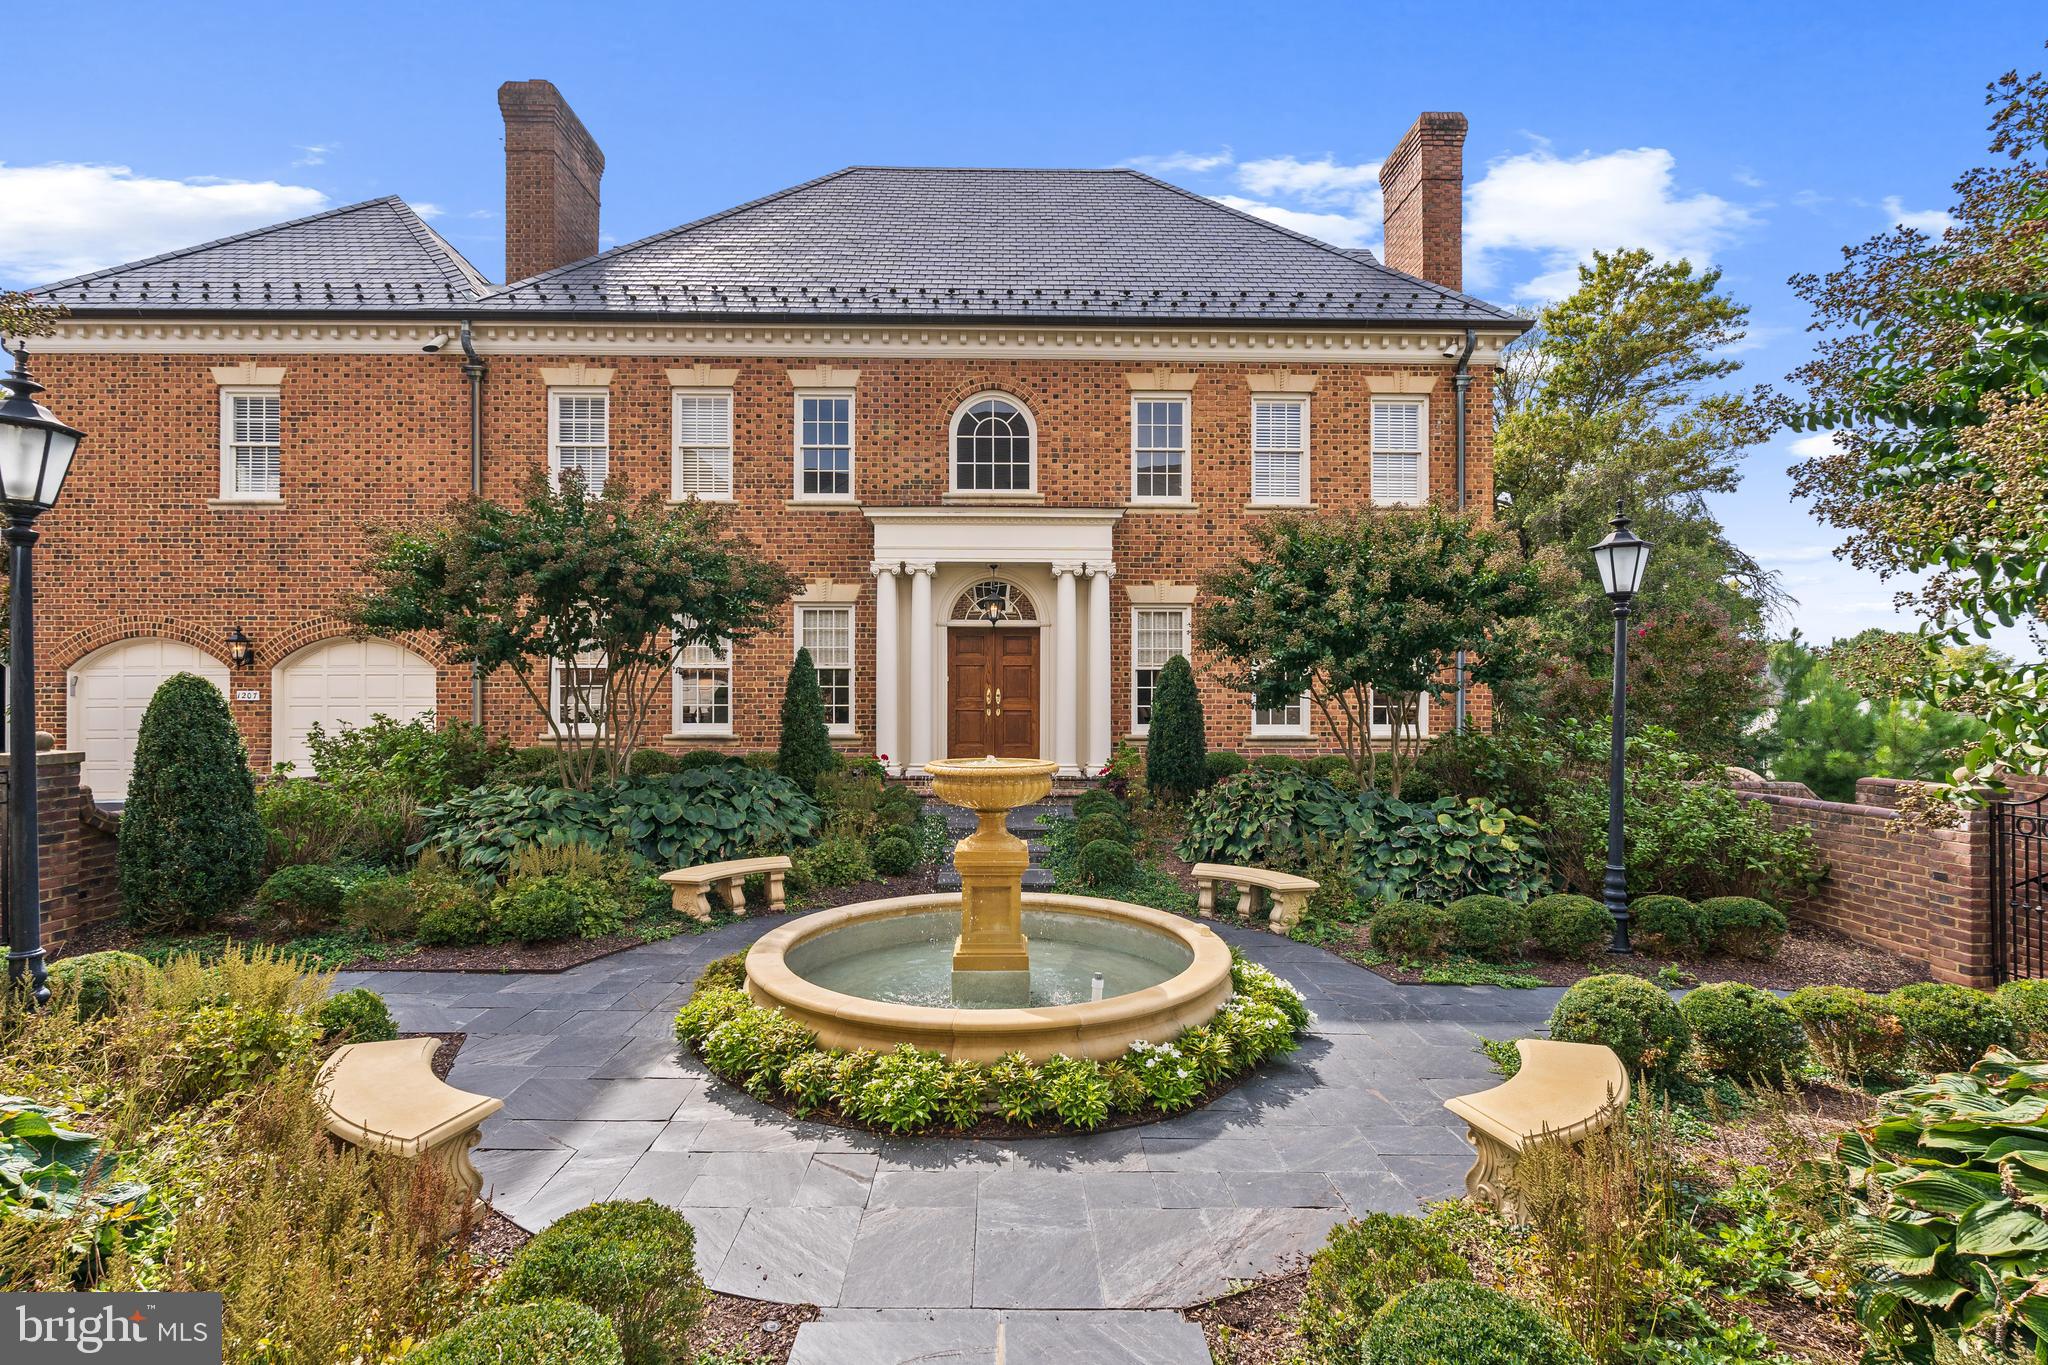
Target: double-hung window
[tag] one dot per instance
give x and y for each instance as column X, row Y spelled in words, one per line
column 1280, row 450
column 251, row 445
column 1159, row 449
column 1289, row 721
column 700, row 465
column 1157, row 634
column 1399, row 466
column 827, row 632
column 1411, row 710
column 703, row 691
column 577, row 692
column 580, row 436
column 824, row 446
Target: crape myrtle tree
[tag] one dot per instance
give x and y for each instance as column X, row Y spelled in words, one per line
column 1932, row 375
column 564, row 575
column 1340, row 607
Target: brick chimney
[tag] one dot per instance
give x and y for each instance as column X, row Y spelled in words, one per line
column 1422, row 183
column 552, row 166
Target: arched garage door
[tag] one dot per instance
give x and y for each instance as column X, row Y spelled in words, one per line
column 343, row 682
column 106, row 694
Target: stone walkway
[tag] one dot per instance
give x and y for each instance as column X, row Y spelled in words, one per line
column 1033, row 1240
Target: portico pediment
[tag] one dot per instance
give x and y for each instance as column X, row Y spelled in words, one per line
column 960, row 535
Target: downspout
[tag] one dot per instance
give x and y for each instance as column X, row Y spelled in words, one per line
column 473, row 368
column 1461, row 386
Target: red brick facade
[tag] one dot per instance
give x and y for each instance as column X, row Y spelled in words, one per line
column 552, row 170
column 76, row 849
column 1423, row 184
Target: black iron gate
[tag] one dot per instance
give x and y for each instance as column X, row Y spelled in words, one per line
column 2019, row 888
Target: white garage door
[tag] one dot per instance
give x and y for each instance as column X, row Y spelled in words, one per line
column 107, row 693
column 343, row 682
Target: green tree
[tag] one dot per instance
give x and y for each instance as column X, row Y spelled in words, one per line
column 1622, row 391
column 191, row 843
column 1932, row 375
column 1341, row 608
column 804, row 753
column 564, row 576
column 1176, row 748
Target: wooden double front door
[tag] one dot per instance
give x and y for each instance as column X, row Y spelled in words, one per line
column 992, row 693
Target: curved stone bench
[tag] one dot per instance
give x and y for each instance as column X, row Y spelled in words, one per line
column 690, row 887
column 385, row 1097
column 1562, row 1092
column 1287, row 893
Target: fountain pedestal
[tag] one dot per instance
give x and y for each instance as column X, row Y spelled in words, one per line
column 991, row 958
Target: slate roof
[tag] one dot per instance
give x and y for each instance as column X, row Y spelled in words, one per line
column 882, row 242
column 374, row 257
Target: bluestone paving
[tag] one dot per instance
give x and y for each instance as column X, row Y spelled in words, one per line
column 1059, row 1245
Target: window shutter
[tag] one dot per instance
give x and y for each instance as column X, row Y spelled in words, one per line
column 703, row 454
column 1277, row 432
column 1397, row 452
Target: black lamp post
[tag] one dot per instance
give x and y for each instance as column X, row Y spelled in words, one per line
column 35, row 455
column 1622, row 556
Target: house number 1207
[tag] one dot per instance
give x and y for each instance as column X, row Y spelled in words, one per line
column 248, row 694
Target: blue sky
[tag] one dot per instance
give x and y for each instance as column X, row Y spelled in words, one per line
column 1762, row 137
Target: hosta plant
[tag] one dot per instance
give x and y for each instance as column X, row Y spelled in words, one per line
column 1950, row 1187
column 52, row 1172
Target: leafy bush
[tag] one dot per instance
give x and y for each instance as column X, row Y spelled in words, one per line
column 752, row 1045
column 1741, row 926
column 384, row 907
column 425, row 761
column 903, row 1091
column 537, row 910
column 1101, row 825
column 1572, row 928
column 1105, row 863
column 2026, row 1001
column 1258, row 818
column 1629, row 1015
column 1176, row 749
column 1278, row 763
column 356, row 1016
column 310, row 822
column 1949, row 1027
column 712, row 1003
column 51, row 1170
column 704, row 815
column 96, row 984
column 1670, row 925
column 1454, row 1320
column 804, row 753
column 894, row 857
column 191, row 843
column 1947, row 1190
column 551, row 1332
column 227, row 1047
column 1744, row 1032
column 1076, row 1090
column 1220, row 764
column 635, row 1262
column 838, row 861
column 448, row 910
column 1411, row 929
column 1016, row 1089
column 1490, row 927
column 1366, row 1262
column 1852, row 1032
column 728, row 973
column 654, row 763
column 1171, row 1085
column 1099, row 801
column 304, row 898
column 862, row 804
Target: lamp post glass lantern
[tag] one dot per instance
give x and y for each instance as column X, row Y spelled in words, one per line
column 1621, row 559
column 35, row 455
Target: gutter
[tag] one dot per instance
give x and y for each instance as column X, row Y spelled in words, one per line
column 1461, row 384
column 473, row 370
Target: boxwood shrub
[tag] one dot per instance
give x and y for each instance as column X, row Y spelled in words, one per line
column 550, row 1332
column 97, row 983
column 1221, row 764
column 1491, row 927
column 1100, row 825
column 633, row 1261
column 1447, row 1321
column 1411, row 929
column 1741, row 926
column 1106, row 862
column 356, row 1016
column 1573, row 928
column 1671, row 925
column 1853, row 1033
column 1099, row 801
column 1628, row 1014
column 893, row 856
column 2026, row 1000
column 304, row 898
column 1949, row 1027
column 1743, row 1032
column 1366, row 1262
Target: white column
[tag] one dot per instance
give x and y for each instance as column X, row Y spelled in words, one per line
column 1066, row 704
column 888, row 665
column 923, row 711
column 1101, row 731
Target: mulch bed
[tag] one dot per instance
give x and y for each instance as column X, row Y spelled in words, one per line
column 1809, row 956
column 1254, row 1325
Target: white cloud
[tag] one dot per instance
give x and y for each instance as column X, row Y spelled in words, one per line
column 314, row 154
column 65, row 219
column 1338, row 229
column 1933, row 222
column 1563, row 209
column 1814, row 445
column 1195, row 163
column 427, row 210
column 1323, row 181
column 1747, row 178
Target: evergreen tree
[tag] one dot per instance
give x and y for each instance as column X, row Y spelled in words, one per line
column 1175, row 746
column 191, row 842
column 805, row 752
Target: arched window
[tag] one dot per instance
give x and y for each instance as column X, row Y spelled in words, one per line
column 992, row 447
column 992, row 600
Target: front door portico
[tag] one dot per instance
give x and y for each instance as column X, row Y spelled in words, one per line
column 992, row 679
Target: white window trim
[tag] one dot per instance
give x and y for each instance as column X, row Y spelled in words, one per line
column 1301, row 731
column 953, row 487
column 696, row 729
column 228, row 394
column 592, row 659
column 1187, row 635
column 1421, row 497
column 852, row 726
column 675, row 445
column 1186, row 496
column 1387, row 731
column 1306, row 498
column 796, row 410
column 555, row 430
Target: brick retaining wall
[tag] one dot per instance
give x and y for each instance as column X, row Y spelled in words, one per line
column 77, row 850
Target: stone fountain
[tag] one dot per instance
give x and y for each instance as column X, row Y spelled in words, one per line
column 991, row 958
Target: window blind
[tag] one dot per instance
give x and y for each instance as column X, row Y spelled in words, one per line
column 255, row 438
column 583, row 437
column 1278, row 451
column 703, row 446
column 1397, row 452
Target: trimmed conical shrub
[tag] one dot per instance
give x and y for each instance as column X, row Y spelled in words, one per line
column 191, row 842
column 805, row 752
column 1176, row 752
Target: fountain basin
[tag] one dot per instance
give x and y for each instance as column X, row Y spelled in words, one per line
column 883, row 946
